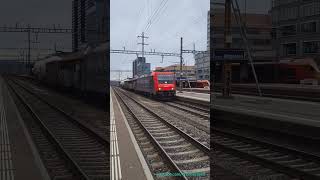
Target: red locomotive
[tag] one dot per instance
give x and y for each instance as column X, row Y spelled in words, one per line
column 157, row 84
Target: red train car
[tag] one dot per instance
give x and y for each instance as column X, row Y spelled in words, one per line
column 157, row 84
column 293, row 71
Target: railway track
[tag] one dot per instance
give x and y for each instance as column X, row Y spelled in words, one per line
column 281, row 161
column 68, row 149
column 91, row 117
column 193, row 122
column 166, row 147
column 203, row 106
column 193, row 109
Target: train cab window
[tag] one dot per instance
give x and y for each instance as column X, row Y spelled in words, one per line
column 166, row 79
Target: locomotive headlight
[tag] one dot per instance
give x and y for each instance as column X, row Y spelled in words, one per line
column 160, row 89
column 172, row 88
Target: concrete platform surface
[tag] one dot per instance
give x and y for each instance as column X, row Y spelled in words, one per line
column 19, row 157
column 194, row 95
column 303, row 112
column 278, row 85
column 132, row 162
column 298, row 111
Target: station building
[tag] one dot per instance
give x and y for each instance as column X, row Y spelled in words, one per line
column 90, row 21
column 202, row 66
column 259, row 34
column 296, row 25
column 258, row 27
column 188, row 72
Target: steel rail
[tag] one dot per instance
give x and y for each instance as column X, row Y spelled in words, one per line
column 202, row 147
column 50, row 135
column 154, row 141
column 265, row 162
column 194, row 105
column 189, row 111
column 92, row 132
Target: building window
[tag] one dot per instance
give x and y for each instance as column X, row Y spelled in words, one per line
column 290, row 49
column 274, row 33
column 311, row 47
column 260, row 42
column 309, row 27
column 288, row 13
column 310, row 9
column 288, row 30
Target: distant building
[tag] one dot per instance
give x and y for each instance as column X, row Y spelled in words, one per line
column 202, row 66
column 90, row 36
column 90, row 19
column 140, row 67
column 188, row 72
column 296, row 27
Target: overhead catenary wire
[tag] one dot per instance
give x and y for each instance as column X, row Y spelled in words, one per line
column 155, row 14
column 159, row 13
column 150, row 17
column 141, row 10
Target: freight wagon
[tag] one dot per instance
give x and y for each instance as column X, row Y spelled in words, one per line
column 83, row 73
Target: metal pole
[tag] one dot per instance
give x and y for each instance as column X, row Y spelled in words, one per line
column 244, row 36
column 142, row 44
column 180, row 81
column 227, row 44
column 29, row 55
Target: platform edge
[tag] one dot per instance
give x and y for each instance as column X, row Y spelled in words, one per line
column 144, row 164
column 41, row 166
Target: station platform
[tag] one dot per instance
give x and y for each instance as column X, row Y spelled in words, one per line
column 296, row 111
column 194, row 95
column 19, row 156
column 278, row 85
column 127, row 161
column 266, row 86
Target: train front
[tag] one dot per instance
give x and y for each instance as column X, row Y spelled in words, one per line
column 164, row 83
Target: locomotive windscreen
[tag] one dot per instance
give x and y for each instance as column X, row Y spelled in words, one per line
column 166, row 79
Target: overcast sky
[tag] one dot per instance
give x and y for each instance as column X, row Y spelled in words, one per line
column 39, row 13
column 179, row 18
column 128, row 18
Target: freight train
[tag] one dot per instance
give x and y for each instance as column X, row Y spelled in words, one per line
column 83, row 73
column 158, row 84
